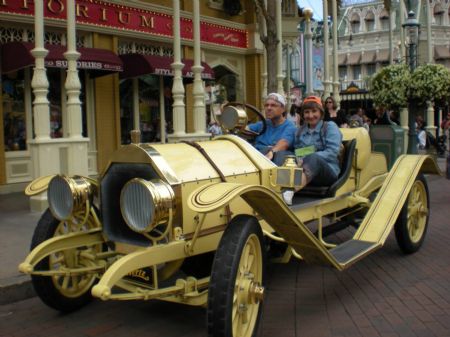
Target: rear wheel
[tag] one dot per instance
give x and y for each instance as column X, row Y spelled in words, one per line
column 412, row 223
column 236, row 287
column 63, row 293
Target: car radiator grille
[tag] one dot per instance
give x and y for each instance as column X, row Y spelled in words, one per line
column 111, row 185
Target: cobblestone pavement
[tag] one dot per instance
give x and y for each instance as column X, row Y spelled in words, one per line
column 386, row 294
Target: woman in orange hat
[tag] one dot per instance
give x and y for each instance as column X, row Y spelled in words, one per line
column 317, row 145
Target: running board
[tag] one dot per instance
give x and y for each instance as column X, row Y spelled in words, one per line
column 351, row 251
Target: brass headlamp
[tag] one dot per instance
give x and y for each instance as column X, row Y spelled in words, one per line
column 145, row 204
column 233, row 117
column 67, row 195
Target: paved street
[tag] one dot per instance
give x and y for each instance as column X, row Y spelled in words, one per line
column 387, row 294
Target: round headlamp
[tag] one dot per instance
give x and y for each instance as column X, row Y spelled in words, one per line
column 233, row 117
column 67, row 195
column 145, row 204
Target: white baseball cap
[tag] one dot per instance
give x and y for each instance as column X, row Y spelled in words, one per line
column 277, row 97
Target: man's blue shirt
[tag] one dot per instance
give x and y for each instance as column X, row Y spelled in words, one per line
column 327, row 148
column 273, row 134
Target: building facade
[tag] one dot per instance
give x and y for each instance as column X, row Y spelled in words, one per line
column 126, row 78
column 371, row 36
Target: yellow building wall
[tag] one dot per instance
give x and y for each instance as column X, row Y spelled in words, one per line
column 107, row 106
column 253, row 67
column 2, row 142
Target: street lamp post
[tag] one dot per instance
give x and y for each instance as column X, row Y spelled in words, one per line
column 411, row 27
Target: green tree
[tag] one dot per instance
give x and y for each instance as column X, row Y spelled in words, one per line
column 393, row 85
column 430, row 82
column 390, row 85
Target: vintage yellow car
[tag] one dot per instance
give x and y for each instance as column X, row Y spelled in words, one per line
column 195, row 223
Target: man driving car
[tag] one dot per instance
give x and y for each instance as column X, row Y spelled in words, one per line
column 280, row 133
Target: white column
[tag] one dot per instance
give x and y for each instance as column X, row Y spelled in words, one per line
column 264, row 78
column 39, row 82
column 44, row 157
column 77, row 149
column 391, row 36
column 198, row 90
column 308, row 48
column 336, row 95
column 72, row 85
column 326, row 51
column 429, row 42
column 179, row 119
column 405, row 126
column 430, row 119
column 280, row 76
column 402, row 33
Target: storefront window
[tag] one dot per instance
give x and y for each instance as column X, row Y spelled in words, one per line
column 228, row 86
column 54, row 97
column 149, row 89
column 56, row 79
column 14, row 121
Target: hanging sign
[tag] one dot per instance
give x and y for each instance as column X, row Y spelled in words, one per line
column 105, row 14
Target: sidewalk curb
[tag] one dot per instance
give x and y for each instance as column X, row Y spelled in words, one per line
column 16, row 289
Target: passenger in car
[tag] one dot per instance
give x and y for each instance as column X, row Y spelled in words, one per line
column 317, row 145
column 280, row 132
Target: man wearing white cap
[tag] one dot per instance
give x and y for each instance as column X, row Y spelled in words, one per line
column 280, row 132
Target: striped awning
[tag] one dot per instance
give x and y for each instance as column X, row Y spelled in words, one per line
column 382, row 56
column 368, row 57
column 441, row 53
column 354, row 58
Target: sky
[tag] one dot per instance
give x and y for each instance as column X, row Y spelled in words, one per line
column 315, row 5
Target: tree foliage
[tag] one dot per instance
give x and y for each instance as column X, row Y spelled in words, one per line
column 430, row 82
column 393, row 85
column 389, row 86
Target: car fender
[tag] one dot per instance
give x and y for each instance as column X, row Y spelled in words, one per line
column 386, row 207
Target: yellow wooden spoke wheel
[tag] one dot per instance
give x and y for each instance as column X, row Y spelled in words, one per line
column 412, row 223
column 77, row 285
column 236, row 288
column 69, row 292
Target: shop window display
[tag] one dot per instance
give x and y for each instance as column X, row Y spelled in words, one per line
column 149, row 89
column 54, row 97
column 14, row 120
column 56, row 79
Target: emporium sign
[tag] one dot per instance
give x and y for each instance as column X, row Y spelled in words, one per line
column 105, row 14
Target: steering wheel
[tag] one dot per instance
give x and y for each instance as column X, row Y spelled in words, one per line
column 234, row 119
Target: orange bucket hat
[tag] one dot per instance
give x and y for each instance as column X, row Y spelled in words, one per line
column 312, row 102
column 313, row 99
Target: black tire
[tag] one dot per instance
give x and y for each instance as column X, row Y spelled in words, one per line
column 412, row 223
column 231, row 280
column 47, row 287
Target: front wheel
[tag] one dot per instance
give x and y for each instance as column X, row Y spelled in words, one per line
column 412, row 223
column 236, row 286
column 63, row 293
